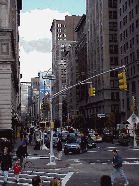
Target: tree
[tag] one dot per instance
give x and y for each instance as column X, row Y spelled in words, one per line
column 80, row 123
column 110, row 121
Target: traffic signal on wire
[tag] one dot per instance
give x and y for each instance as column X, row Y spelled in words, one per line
column 122, row 81
column 42, row 104
column 91, row 91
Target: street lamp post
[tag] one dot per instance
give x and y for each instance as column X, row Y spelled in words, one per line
column 52, row 157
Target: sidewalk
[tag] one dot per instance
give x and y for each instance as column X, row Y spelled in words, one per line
column 40, row 158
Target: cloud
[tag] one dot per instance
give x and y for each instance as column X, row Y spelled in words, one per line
column 35, row 41
column 41, row 45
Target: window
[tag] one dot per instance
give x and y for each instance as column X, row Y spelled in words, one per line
column 121, row 50
column 137, row 8
column 137, row 39
column 113, row 26
column 137, row 23
column 112, row 14
column 121, row 37
column 130, row 57
column 130, row 16
column 113, row 49
column 130, row 43
column 138, row 54
column 112, row 83
column 114, row 95
column 114, row 73
column 138, row 68
column 113, row 60
column 112, row 3
column 126, row 33
column 133, row 55
column 112, row 37
column 125, row 6
column 121, row 61
column 134, row 70
column 122, row 103
column 133, row 41
column 120, row 24
column 126, row 45
column 132, row 27
column 133, row 86
column 131, row 70
column 120, row 11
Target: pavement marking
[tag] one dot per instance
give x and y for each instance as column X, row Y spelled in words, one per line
column 66, row 178
column 92, row 151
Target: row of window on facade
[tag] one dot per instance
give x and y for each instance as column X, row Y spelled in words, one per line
column 61, row 25
column 131, row 12
column 131, row 27
column 61, row 30
column 131, row 44
column 124, row 35
column 60, row 35
column 133, row 56
column 132, row 71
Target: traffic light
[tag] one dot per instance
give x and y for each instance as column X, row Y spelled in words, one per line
column 134, row 104
column 122, row 81
column 134, row 126
column 42, row 104
column 91, row 91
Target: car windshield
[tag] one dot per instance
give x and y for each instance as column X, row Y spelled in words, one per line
column 72, row 134
column 92, row 135
column 78, row 140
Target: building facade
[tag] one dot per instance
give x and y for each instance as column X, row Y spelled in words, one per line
column 102, row 55
column 10, row 101
column 128, row 37
column 63, row 33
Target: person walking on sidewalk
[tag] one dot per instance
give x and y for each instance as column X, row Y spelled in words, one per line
column 21, row 152
column 59, row 149
column 21, row 134
column 17, row 170
column 117, row 167
column 6, row 163
column 30, row 138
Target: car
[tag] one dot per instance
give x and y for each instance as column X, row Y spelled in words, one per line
column 92, row 136
column 98, row 137
column 64, row 136
column 91, row 143
column 55, row 141
column 75, row 145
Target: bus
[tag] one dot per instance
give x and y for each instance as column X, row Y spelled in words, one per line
column 44, row 125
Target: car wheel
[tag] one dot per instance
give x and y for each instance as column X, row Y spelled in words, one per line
column 81, row 151
column 86, row 149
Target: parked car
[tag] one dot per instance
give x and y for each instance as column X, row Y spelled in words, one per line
column 55, row 141
column 76, row 145
column 64, row 137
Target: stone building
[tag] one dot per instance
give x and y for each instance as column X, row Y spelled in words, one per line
column 102, row 55
column 128, row 37
column 63, row 33
column 10, row 102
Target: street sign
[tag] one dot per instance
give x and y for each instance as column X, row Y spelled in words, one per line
column 133, row 119
column 100, row 115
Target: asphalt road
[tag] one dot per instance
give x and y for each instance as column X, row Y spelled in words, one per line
column 81, row 169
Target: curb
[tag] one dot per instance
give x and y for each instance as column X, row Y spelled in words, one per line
column 53, row 166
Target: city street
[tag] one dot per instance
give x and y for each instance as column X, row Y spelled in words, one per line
column 80, row 169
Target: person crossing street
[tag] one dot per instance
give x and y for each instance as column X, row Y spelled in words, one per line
column 117, row 167
column 59, row 149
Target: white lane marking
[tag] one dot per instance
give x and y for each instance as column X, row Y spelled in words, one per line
column 91, row 151
column 135, row 149
column 113, row 147
column 76, row 164
column 66, row 178
column 131, row 158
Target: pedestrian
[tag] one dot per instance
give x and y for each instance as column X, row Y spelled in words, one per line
column 30, row 138
column 59, row 149
column 6, row 163
column 17, row 170
column 21, row 134
column 36, row 181
column 55, row 182
column 21, row 152
column 25, row 133
column 117, row 167
column 105, row 180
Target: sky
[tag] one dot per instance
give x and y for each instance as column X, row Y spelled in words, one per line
column 36, row 18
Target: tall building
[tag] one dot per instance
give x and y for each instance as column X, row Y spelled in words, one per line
column 128, row 37
column 10, row 102
column 102, row 55
column 63, row 33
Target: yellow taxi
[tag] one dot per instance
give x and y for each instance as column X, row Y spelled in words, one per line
column 98, row 137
